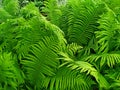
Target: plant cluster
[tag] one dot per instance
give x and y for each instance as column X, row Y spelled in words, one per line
column 60, row 45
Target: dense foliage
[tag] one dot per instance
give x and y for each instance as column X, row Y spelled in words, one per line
column 59, row 45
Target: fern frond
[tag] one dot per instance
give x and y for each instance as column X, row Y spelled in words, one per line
column 77, row 20
column 4, row 15
column 66, row 79
column 86, row 67
column 29, row 11
column 9, row 9
column 72, row 50
column 42, row 60
column 52, row 11
column 113, row 75
column 110, row 59
column 9, row 73
column 36, row 29
column 11, row 6
column 108, row 33
column 18, row 34
column 81, row 19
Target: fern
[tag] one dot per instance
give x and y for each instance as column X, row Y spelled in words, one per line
column 113, row 76
column 27, row 30
column 79, row 19
column 53, row 11
column 11, row 6
column 86, row 67
column 109, row 59
column 4, row 15
column 66, row 79
column 109, row 30
column 74, row 45
column 42, row 60
column 72, row 50
column 9, row 73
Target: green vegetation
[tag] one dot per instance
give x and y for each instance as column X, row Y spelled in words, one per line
column 60, row 45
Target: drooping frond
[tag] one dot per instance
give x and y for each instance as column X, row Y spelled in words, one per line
column 86, row 67
column 67, row 79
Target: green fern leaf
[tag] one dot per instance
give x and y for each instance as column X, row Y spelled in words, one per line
column 42, row 60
